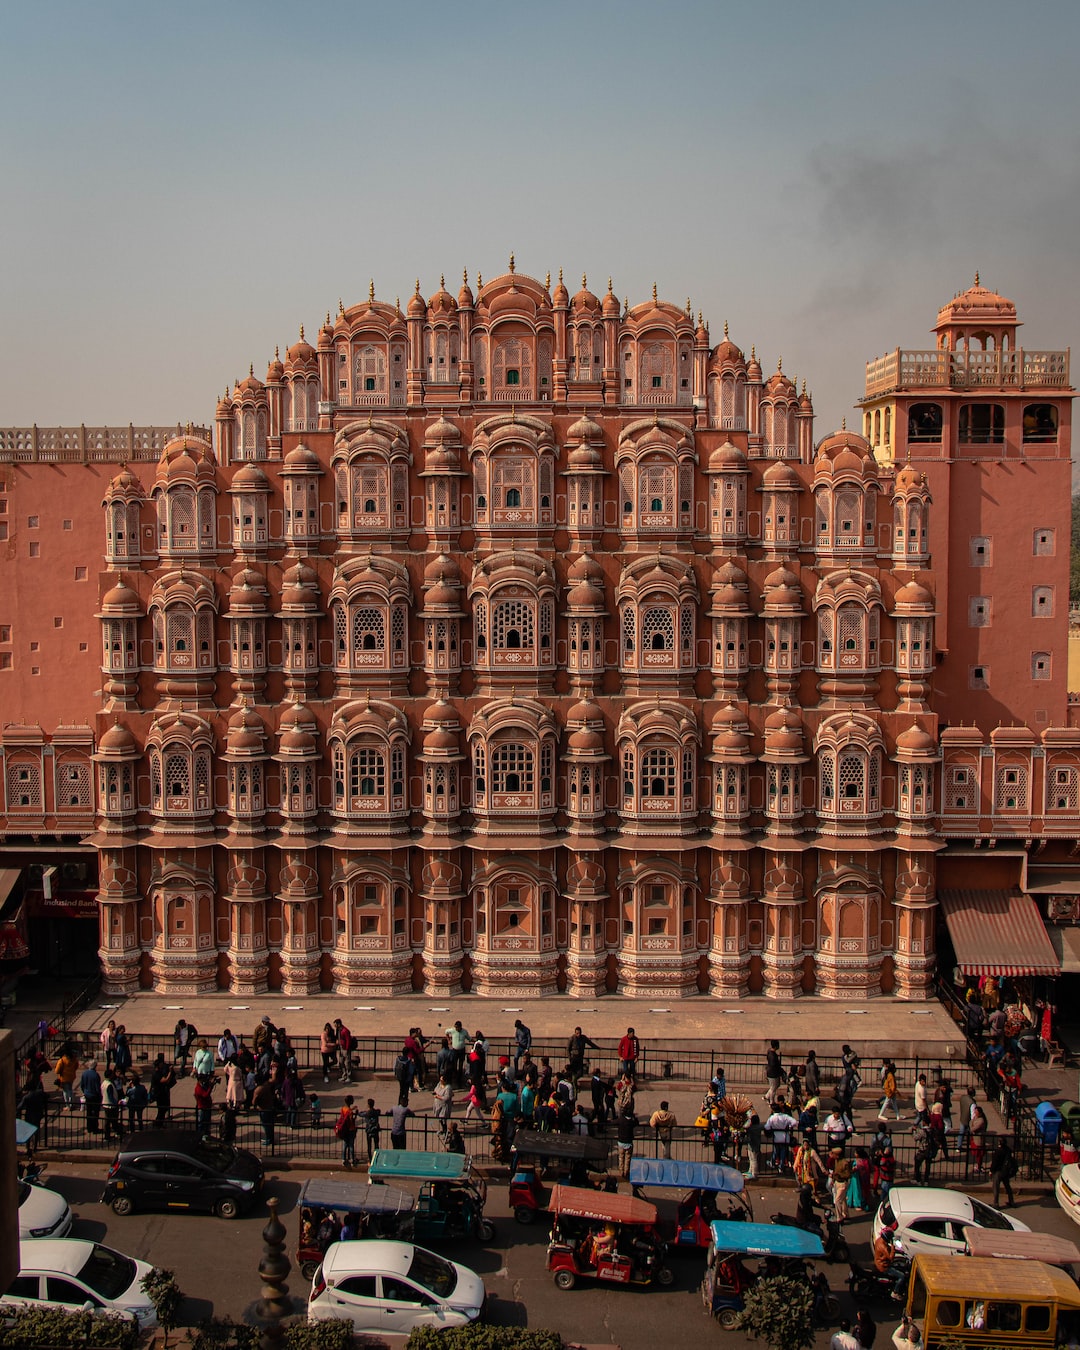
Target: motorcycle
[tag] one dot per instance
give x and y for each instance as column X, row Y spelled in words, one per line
column 868, row 1284
column 32, row 1172
column 831, row 1234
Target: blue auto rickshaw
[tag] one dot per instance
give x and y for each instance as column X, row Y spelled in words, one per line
column 775, row 1249
column 702, row 1185
column 451, row 1197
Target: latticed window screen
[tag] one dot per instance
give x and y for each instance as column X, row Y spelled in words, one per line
column 852, row 776
column 177, row 776
column 510, row 354
column 656, row 490
column 339, row 772
column 514, row 475
column 341, row 488
column 686, row 628
column 397, row 628
column 874, row 777
column 960, row 789
column 547, row 761
column 688, row 773
column 155, row 777
column 851, row 630
column 479, row 766
column 369, row 485
column 545, row 624
column 369, row 633
column 204, row 633
column 24, row 786
column 341, row 628
column 512, row 768
column 628, row 770
column 367, row 773
column 827, row 778
column 73, row 785
column 686, row 494
column 397, row 770
column 626, row 491
column 658, row 773
column 629, row 623
column 512, row 625
column 182, row 518
column 1063, row 794
column 399, row 482
column 658, row 630
column 656, row 364
column 1010, row 788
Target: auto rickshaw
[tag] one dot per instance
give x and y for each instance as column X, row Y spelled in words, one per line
column 599, row 1235
column 702, row 1184
column 326, row 1206
column 778, row 1251
column 571, row 1155
column 450, row 1202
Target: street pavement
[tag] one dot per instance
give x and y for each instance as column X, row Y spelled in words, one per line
column 216, row 1262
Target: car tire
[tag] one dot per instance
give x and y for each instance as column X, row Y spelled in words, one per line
column 123, row 1205
column 485, row 1230
column 308, row 1269
column 565, row 1279
column 227, row 1208
column 728, row 1318
column 665, row 1277
column 525, row 1214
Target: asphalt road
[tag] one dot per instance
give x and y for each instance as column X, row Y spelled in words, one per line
column 216, row 1262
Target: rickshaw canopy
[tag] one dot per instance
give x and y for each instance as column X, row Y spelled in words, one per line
column 685, row 1176
column 353, row 1197
column 404, row 1164
column 601, row 1206
column 764, row 1239
column 1055, row 1251
column 561, row 1147
column 989, row 1278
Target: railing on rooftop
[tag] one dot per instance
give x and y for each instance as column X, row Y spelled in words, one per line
column 1001, row 369
column 89, row 445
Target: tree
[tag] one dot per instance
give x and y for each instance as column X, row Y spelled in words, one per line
column 779, row 1312
column 164, row 1293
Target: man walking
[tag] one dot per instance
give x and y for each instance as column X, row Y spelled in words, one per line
column 628, row 1054
column 522, row 1042
column 663, row 1122
column 575, row 1051
column 1003, row 1167
column 774, row 1071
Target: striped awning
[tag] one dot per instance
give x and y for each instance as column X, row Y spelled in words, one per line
column 998, row 933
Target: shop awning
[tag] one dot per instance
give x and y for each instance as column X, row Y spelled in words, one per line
column 1053, row 881
column 998, row 933
column 1065, row 940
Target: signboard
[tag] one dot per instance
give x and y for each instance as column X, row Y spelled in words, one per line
column 62, row 905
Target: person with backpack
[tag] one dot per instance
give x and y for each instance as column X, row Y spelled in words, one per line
column 345, row 1130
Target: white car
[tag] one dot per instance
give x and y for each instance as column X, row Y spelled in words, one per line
column 42, row 1213
column 1067, row 1190
column 71, row 1273
column 929, row 1219
column 383, row 1286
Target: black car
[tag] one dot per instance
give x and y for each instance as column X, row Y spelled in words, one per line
column 175, row 1169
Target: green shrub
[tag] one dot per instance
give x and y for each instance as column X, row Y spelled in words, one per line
column 64, row 1329
column 334, row 1334
column 484, row 1338
column 780, row 1312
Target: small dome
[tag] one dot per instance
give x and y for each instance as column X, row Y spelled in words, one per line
column 753, row 367
column 585, row 300
column 728, row 574
column 914, row 596
column 442, row 302
column 251, row 385
column 301, row 355
column 251, row 477
column 583, row 713
column 779, row 385
column 585, row 595
column 727, row 354
column 845, row 439
column 224, row 406
column 908, row 478
column 274, row 370
column 465, row 295
column 782, row 590
column 977, row 302
column 727, row 457
column 121, row 600
column 915, row 739
column 783, row 731
column 780, row 477
column 246, row 730
column 442, row 432
column 585, row 739
column 441, row 713
column 585, row 568
column 610, row 307
column 441, row 738
column 561, row 296
column 439, row 593
column 585, row 429
column 118, row 740
column 300, row 457
column 417, row 309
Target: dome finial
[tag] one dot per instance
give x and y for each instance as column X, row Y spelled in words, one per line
column 753, row 352
column 779, row 365
column 625, row 306
column 417, row 291
column 547, row 281
column 340, row 305
column 301, row 332
column 609, row 285
column 584, row 282
column 725, row 328
column 843, row 424
column 328, row 316
column 654, row 292
column 689, row 309
column 371, row 291
column 397, row 305
column 277, row 352
column 464, row 276
column 512, row 264
column 442, row 281
column 976, row 276
column 251, row 368
column 479, row 282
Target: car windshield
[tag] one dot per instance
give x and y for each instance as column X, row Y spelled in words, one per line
column 431, row 1272
column 211, row 1154
column 107, row 1272
column 24, row 1191
column 986, row 1217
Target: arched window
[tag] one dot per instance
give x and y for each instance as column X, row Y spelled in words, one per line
column 657, row 773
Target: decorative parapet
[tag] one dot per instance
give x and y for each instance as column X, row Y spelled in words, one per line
column 88, row 445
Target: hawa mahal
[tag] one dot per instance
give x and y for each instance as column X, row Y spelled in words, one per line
column 527, row 643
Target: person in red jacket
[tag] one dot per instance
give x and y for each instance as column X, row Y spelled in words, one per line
column 628, row 1053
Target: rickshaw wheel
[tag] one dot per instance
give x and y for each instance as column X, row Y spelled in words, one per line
column 308, row 1269
column 830, row 1306
column 524, row 1214
column 485, row 1230
column 665, row 1276
column 728, row 1318
column 565, row 1279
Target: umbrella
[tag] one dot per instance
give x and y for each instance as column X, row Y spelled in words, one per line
column 24, row 1131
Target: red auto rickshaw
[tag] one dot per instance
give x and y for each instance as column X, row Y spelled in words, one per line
column 599, row 1235
column 535, row 1152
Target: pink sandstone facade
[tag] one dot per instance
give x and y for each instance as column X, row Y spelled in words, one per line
column 530, row 644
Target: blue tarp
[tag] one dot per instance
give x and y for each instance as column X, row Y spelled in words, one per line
column 764, row 1239
column 686, row 1176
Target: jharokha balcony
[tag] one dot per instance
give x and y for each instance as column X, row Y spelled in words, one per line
column 936, row 369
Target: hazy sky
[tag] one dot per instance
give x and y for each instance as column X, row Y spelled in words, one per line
column 186, row 184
